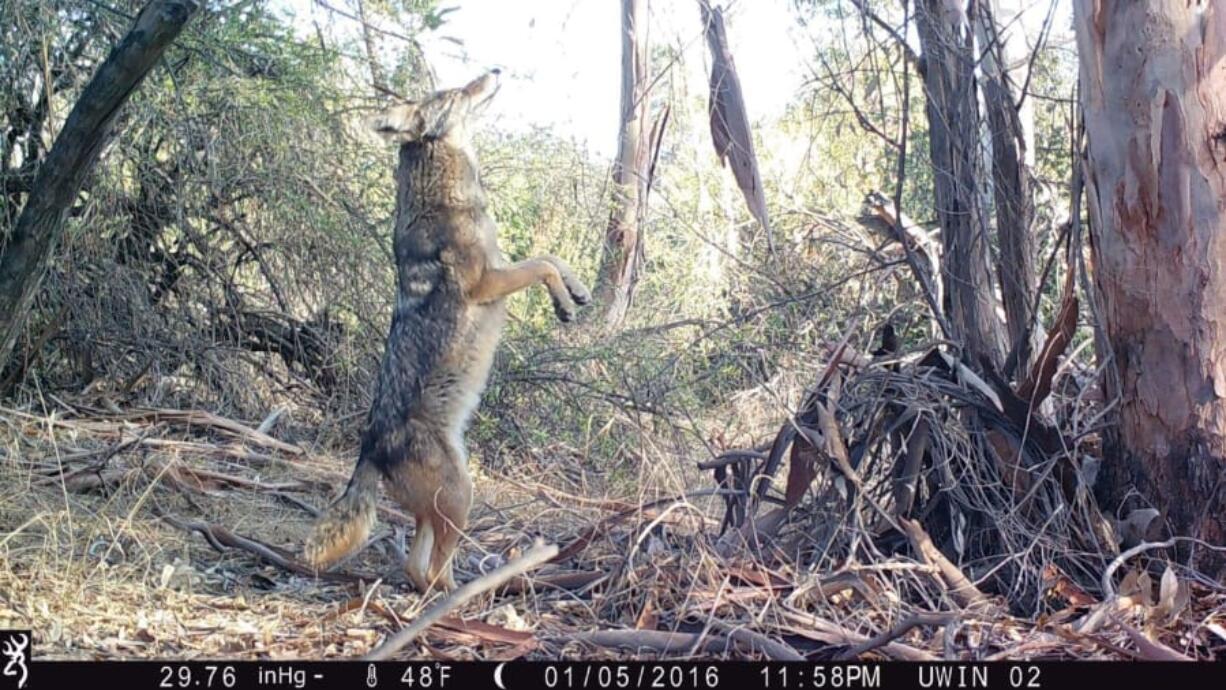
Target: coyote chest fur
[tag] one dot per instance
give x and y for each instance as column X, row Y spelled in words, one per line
column 450, row 289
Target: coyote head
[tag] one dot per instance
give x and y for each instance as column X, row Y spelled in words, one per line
column 443, row 115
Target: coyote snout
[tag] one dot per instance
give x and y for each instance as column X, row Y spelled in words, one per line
column 451, row 283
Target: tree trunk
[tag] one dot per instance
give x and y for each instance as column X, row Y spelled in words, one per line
column 1153, row 89
column 372, row 50
column 619, row 265
column 953, row 121
column 24, row 255
column 1012, row 149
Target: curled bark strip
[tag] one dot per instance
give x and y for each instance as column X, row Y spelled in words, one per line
column 798, row 479
column 802, row 470
column 730, row 132
column 822, row 630
column 904, row 483
column 1037, row 385
column 757, row 642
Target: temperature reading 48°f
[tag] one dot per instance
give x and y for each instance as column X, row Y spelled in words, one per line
column 426, row 676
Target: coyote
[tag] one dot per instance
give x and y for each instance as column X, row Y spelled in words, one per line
column 451, row 284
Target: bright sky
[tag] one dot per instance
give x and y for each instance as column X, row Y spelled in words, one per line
column 561, row 59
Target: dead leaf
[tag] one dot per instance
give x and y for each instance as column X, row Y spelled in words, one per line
column 1059, row 584
column 1145, row 589
column 1173, row 598
column 647, row 618
column 486, row 631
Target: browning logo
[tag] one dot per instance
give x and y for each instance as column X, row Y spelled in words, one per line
column 16, row 650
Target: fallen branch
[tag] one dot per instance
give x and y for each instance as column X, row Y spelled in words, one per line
column 572, row 580
column 962, row 589
column 812, row 627
column 757, row 642
column 219, row 538
column 533, row 558
column 1108, row 574
column 913, row 621
column 208, row 419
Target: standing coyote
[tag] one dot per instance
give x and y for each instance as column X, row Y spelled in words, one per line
column 449, row 314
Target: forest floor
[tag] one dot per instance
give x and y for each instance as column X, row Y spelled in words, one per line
column 172, row 534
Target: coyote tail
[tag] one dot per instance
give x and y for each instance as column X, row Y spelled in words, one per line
column 346, row 523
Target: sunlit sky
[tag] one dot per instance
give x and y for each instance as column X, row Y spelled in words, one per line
column 561, row 59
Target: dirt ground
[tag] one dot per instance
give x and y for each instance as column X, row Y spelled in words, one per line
column 98, row 561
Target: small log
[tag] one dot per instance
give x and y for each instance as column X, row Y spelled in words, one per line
column 963, row 590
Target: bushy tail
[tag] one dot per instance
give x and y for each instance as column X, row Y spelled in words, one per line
column 346, row 523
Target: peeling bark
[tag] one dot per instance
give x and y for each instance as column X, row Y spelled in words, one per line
column 730, row 131
column 623, row 244
column 1153, row 83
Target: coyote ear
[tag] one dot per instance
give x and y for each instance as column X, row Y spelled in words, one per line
column 399, row 123
column 442, row 115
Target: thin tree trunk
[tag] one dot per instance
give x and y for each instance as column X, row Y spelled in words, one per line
column 953, row 120
column 23, row 257
column 1011, row 174
column 1153, row 88
column 619, row 265
column 372, row 50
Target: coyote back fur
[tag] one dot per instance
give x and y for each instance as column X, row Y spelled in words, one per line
column 449, row 314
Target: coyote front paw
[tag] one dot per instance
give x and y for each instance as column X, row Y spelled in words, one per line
column 578, row 292
column 565, row 312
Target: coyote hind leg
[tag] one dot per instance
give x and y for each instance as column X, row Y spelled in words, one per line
column 437, row 491
column 448, row 527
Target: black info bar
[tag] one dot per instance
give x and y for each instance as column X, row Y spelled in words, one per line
column 662, row 675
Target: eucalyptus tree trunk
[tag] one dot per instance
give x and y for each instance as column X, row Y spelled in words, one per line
column 622, row 245
column 953, row 120
column 1010, row 119
column 25, row 251
column 1153, row 88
